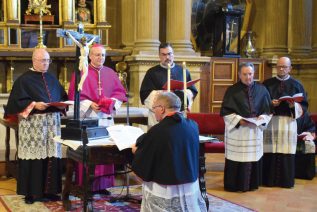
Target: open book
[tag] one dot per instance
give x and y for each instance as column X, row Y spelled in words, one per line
column 61, row 104
column 179, row 85
column 296, row 98
column 256, row 120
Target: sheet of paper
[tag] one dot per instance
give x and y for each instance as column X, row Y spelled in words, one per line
column 206, row 139
column 124, row 136
column 75, row 144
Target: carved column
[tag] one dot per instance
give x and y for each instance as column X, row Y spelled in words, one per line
column 300, row 27
column 147, row 27
column 128, row 23
column 68, row 12
column 276, row 27
column 12, row 11
column 101, row 11
column 314, row 31
column 178, row 26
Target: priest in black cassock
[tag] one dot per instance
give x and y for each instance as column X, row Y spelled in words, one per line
column 167, row 159
column 280, row 138
column 305, row 151
column 156, row 77
column 243, row 139
column 39, row 157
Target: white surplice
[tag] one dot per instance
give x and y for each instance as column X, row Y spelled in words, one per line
column 281, row 133
column 243, row 143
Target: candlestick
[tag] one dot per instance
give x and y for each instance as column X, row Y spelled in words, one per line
column 185, row 87
column 168, row 77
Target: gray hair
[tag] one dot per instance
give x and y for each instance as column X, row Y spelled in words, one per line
column 170, row 100
column 247, row 64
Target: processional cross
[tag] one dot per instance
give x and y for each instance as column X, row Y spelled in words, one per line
column 78, row 37
column 39, row 7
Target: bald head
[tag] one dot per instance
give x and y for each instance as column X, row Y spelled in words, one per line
column 285, row 60
column 165, row 103
column 40, row 59
column 284, row 66
column 97, row 55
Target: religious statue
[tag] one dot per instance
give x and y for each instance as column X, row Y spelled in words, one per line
column 38, row 6
column 82, row 12
column 83, row 58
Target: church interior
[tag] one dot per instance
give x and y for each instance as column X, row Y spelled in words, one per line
column 212, row 36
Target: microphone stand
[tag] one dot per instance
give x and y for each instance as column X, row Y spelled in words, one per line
column 127, row 197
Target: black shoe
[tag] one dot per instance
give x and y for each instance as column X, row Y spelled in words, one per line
column 28, row 199
column 52, row 197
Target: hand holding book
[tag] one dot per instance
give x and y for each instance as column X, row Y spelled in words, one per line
column 61, row 105
column 295, row 98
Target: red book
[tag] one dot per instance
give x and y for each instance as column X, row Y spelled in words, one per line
column 179, row 85
column 61, row 104
column 296, row 98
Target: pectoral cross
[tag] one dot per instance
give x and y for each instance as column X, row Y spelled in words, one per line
column 78, row 36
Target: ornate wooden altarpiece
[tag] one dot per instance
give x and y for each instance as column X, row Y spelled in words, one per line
column 20, row 27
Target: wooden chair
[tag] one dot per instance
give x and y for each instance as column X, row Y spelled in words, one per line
column 11, row 166
column 210, row 124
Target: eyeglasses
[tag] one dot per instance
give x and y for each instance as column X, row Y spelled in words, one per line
column 154, row 107
column 45, row 60
column 282, row 67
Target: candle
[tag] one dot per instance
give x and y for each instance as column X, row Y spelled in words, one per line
column 168, row 77
column 185, row 86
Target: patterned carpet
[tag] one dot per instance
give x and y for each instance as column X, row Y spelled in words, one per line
column 15, row 203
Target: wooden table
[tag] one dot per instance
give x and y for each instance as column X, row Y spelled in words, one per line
column 11, row 166
column 95, row 155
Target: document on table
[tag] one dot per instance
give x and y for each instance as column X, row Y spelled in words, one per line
column 124, row 136
column 75, row 144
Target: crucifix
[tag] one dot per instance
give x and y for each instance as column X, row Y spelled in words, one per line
column 76, row 128
column 82, row 50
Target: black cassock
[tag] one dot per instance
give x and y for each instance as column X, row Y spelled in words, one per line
column 304, row 163
column 31, row 87
column 38, row 176
column 156, row 77
column 169, row 152
column 246, row 101
column 278, row 168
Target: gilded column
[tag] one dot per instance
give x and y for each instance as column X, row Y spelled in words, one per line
column 147, row 27
column 12, row 11
column 300, row 27
column 68, row 12
column 276, row 27
column 101, row 11
column 178, row 25
column 314, row 29
column 128, row 23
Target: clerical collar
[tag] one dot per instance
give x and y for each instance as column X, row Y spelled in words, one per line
column 283, row 79
column 95, row 68
column 32, row 69
column 163, row 66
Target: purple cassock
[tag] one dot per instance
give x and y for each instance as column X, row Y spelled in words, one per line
column 100, row 83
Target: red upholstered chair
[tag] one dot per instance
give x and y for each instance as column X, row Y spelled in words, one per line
column 210, row 123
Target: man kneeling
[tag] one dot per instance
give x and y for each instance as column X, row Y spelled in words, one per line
column 166, row 158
